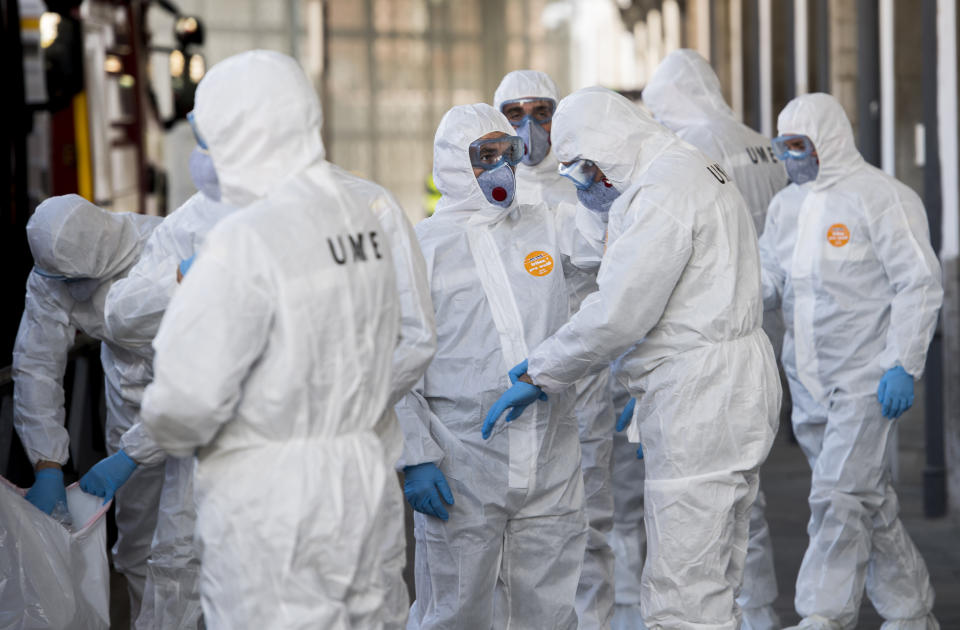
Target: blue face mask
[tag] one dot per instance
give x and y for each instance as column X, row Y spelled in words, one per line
column 203, row 174
column 498, row 185
column 599, row 196
column 82, row 289
column 802, row 170
column 536, row 141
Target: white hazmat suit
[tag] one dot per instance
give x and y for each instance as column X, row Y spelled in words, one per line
column 685, row 95
column 680, row 295
column 273, row 364
column 134, row 308
column 70, row 236
column 518, row 496
column 848, row 257
column 542, row 184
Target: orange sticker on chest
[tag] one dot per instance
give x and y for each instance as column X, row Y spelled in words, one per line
column 838, row 235
column 538, row 263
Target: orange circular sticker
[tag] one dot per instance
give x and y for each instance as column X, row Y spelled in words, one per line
column 538, row 263
column 838, row 235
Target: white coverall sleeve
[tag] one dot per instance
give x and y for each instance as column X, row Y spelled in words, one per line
column 901, row 240
column 136, row 303
column 418, row 332
column 39, row 362
column 413, row 412
column 213, row 332
column 140, row 446
column 134, row 309
column 772, row 277
column 637, row 276
column 416, row 418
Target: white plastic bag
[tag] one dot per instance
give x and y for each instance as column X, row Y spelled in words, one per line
column 52, row 577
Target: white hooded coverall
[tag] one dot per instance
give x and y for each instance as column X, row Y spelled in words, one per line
column 848, row 258
column 685, row 95
column 680, row 295
column 70, row 236
column 518, row 496
column 542, row 184
column 273, row 364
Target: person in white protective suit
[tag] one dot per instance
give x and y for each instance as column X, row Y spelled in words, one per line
column 848, row 258
column 528, row 98
column 679, row 297
column 79, row 252
column 685, row 95
column 133, row 310
column 273, row 366
column 507, row 505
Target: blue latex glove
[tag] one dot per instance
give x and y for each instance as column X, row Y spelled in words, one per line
column 47, row 490
column 424, row 485
column 640, row 452
column 517, row 371
column 518, row 397
column 185, row 265
column 107, row 475
column 626, row 416
column 895, row 392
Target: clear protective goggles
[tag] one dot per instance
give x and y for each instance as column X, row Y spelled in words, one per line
column 490, row 153
column 539, row 109
column 196, row 132
column 581, row 172
column 793, row 146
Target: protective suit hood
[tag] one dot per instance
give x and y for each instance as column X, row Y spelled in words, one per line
column 821, row 118
column 69, row 235
column 452, row 172
column 685, row 91
column 525, row 84
column 600, row 125
column 254, row 143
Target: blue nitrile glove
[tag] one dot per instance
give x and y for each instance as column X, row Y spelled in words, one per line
column 47, row 489
column 424, row 485
column 519, row 396
column 640, row 451
column 185, row 265
column 626, row 415
column 107, row 475
column 519, row 370
column 895, row 392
